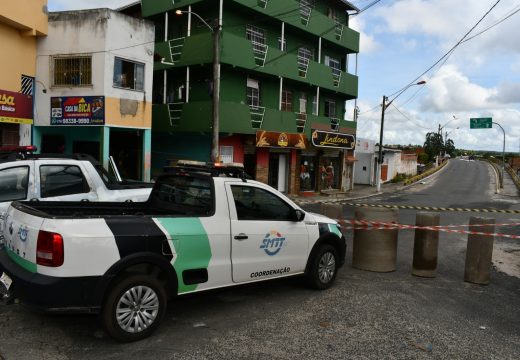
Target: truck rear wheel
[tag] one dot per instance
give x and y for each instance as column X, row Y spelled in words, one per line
column 323, row 269
column 134, row 307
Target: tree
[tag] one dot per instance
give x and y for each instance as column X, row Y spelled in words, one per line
column 433, row 144
column 449, row 147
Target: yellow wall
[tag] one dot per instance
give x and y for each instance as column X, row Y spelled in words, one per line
column 20, row 25
column 27, row 15
column 142, row 118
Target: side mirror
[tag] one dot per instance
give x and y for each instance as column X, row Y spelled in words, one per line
column 299, row 215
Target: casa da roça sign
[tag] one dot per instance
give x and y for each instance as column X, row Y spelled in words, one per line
column 79, row 110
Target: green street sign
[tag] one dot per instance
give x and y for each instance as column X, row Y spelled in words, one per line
column 480, row 123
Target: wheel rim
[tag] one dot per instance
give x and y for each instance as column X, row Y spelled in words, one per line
column 327, row 267
column 137, row 309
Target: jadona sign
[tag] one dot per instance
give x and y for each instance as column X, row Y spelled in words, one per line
column 15, row 108
column 333, row 140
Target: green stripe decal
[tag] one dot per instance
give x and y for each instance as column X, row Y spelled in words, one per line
column 26, row 264
column 333, row 228
column 191, row 244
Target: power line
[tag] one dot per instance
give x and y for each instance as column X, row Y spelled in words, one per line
column 409, row 119
column 449, row 52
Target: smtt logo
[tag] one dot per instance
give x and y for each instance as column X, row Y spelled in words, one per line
column 273, row 243
column 23, row 232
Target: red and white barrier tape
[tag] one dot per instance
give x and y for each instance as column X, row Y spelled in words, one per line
column 375, row 225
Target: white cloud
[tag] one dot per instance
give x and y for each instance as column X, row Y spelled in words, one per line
column 367, row 43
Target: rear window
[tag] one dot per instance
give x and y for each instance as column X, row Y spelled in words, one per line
column 189, row 194
column 59, row 180
column 13, row 183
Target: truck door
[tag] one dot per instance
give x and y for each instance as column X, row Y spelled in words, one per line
column 266, row 241
column 62, row 181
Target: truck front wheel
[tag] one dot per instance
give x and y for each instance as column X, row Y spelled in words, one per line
column 134, row 307
column 323, row 268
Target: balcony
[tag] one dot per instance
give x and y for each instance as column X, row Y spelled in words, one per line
column 314, row 23
column 240, row 119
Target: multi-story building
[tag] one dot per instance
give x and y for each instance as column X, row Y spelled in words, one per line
column 20, row 27
column 94, row 88
column 285, row 71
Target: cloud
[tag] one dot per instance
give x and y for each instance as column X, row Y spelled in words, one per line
column 63, row 5
column 507, row 93
column 367, row 43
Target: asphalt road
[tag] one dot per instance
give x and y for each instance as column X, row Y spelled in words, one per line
column 366, row 315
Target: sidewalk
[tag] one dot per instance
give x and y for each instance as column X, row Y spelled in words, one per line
column 359, row 192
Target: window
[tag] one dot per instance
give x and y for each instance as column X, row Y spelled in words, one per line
column 128, row 74
column 72, row 70
column 59, row 180
column 334, row 64
column 305, row 55
column 186, row 194
column 330, row 108
column 13, row 183
column 287, row 103
column 315, row 105
column 257, row 37
column 303, row 103
column 258, row 204
column 253, row 93
column 226, row 154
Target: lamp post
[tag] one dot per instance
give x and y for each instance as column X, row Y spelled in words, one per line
column 383, row 108
column 215, row 156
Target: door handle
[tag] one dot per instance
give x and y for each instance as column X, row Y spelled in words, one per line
column 241, row 236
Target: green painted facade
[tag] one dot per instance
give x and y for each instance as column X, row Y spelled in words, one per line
column 238, row 64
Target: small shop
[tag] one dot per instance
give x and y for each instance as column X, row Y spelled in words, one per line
column 324, row 165
column 276, row 158
column 15, row 109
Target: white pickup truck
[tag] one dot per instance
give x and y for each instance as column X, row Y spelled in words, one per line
column 202, row 228
column 62, row 178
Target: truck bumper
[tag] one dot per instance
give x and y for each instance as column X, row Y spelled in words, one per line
column 53, row 294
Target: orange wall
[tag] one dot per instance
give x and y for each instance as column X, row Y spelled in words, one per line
column 142, row 118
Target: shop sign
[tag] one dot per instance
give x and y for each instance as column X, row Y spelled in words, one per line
column 82, row 110
column 333, row 140
column 280, row 140
column 15, row 108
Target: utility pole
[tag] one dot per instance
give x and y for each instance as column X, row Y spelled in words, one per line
column 503, row 155
column 215, row 153
column 380, row 154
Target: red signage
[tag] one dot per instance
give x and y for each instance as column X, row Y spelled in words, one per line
column 280, row 140
column 15, row 108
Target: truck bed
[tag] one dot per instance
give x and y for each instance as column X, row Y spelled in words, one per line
column 85, row 209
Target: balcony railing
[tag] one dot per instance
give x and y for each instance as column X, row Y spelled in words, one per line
column 301, row 120
column 175, row 113
column 257, row 116
column 260, row 52
column 176, row 46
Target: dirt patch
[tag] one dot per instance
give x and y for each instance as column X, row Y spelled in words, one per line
column 506, row 258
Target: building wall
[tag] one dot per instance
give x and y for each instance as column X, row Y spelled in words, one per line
column 104, row 34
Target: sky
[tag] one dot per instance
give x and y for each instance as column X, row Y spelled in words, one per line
column 400, row 40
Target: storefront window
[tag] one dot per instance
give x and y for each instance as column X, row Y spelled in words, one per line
column 307, row 174
column 329, row 173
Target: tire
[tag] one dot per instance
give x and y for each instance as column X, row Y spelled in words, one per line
column 324, row 267
column 139, row 298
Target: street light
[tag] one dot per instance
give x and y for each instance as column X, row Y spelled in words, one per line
column 216, row 83
column 383, row 108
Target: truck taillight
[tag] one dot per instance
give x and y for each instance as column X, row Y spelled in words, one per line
column 49, row 249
